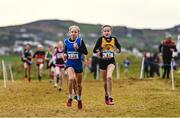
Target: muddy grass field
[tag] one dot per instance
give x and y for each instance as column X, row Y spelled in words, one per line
column 133, row 98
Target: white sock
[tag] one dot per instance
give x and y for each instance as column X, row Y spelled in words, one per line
column 78, row 97
column 70, row 96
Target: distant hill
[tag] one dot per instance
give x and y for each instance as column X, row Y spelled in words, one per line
column 54, row 30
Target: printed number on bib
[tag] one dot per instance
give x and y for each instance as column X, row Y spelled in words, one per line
column 59, row 55
column 107, row 54
column 73, row 55
column 126, row 65
column 40, row 60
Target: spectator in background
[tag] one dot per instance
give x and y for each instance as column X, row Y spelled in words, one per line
column 151, row 65
column 146, row 64
column 166, row 48
column 174, row 65
column 95, row 62
column 126, row 64
column 156, row 62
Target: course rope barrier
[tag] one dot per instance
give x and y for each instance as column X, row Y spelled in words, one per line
column 171, row 65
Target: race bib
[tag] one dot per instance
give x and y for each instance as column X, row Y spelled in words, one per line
column 59, row 55
column 39, row 60
column 126, row 65
column 73, row 55
column 107, row 54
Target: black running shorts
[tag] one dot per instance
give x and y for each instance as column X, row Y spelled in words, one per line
column 103, row 63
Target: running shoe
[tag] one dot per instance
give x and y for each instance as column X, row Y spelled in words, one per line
column 69, row 102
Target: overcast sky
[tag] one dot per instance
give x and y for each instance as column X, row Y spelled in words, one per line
column 132, row 13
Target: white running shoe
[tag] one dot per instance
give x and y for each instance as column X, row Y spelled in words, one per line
column 55, row 85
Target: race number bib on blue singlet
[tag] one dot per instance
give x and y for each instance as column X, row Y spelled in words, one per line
column 73, row 55
column 107, row 54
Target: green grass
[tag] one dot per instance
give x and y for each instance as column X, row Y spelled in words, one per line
column 140, row 98
column 151, row 97
column 17, row 66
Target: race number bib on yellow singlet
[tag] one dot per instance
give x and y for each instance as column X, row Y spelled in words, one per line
column 107, row 54
column 73, row 55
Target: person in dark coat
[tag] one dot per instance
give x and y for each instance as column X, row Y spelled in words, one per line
column 151, row 65
column 95, row 62
column 155, row 66
column 166, row 48
column 146, row 64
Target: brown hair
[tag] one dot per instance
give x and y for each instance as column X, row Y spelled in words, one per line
column 106, row 26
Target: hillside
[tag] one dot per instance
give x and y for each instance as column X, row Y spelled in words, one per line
column 134, row 97
column 55, row 30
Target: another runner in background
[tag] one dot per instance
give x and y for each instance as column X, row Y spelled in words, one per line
column 26, row 57
column 39, row 55
column 48, row 57
column 59, row 65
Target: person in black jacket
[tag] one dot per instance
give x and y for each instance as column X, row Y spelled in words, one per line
column 156, row 62
column 166, row 48
column 147, row 64
column 95, row 62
